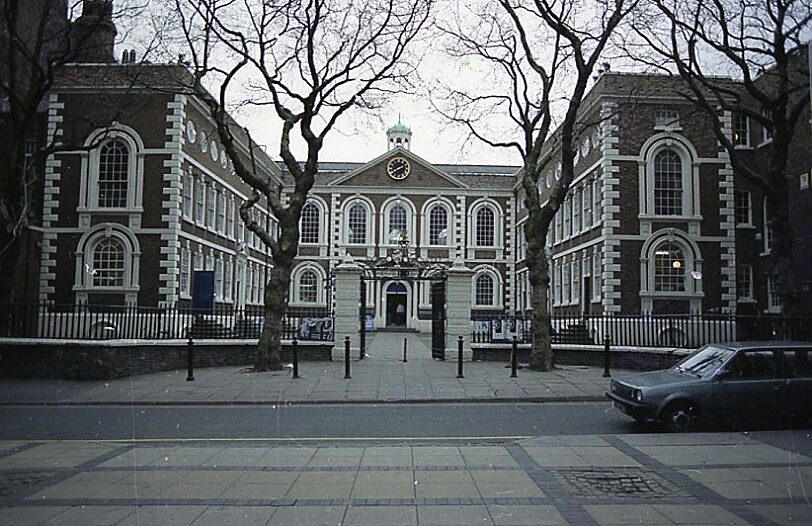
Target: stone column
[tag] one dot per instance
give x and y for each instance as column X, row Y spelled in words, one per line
column 347, row 296
column 458, row 310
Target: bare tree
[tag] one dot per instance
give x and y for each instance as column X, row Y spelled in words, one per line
column 741, row 58
column 310, row 61
column 538, row 56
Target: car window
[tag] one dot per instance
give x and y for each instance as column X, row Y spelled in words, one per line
column 704, row 362
column 754, row 365
column 798, row 363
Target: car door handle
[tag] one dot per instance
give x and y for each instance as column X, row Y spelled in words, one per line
column 777, row 386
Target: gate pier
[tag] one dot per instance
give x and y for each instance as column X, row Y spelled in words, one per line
column 458, row 309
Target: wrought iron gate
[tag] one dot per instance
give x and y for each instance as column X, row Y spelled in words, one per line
column 438, row 320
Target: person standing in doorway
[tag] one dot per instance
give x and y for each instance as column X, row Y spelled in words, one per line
column 400, row 314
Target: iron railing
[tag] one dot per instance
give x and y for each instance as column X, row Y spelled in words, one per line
column 646, row 330
column 102, row 322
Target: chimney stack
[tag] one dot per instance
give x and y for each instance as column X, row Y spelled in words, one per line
column 94, row 33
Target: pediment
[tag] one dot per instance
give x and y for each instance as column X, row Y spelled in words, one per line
column 422, row 174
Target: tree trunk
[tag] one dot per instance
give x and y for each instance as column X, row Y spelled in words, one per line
column 269, row 350
column 541, row 354
column 782, row 249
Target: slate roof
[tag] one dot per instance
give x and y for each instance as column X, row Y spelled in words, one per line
column 474, row 175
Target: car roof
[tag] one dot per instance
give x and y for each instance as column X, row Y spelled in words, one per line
column 771, row 344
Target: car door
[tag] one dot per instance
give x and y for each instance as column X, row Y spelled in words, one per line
column 798, row 367
column 752, row 386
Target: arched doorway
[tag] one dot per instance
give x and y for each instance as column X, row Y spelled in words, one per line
column 396, row 305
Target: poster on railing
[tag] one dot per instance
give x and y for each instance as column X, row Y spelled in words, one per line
column 316, row 329
column 504, row 329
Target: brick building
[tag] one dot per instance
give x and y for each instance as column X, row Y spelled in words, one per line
column 656, row 220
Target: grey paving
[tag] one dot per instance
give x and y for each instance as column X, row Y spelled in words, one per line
column 604, row 480
column 380, row 377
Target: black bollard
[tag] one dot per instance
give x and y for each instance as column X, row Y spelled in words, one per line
column 295, row 357
column 459, row 358
column 606, row 341
column 347, row 357
column 190, row 360
column 404, row 360
column 513, row 358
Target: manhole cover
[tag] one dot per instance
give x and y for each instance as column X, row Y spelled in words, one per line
column 11, row 482
column 626, row 483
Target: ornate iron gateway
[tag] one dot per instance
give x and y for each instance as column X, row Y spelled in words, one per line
column 401, row 265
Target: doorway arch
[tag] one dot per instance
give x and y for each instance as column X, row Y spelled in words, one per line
column 397, row 305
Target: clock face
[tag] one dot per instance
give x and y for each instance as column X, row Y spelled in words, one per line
column 398, row 168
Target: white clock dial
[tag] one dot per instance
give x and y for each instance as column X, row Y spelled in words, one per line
column 398, row 168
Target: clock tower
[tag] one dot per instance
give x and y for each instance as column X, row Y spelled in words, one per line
column 398, row 135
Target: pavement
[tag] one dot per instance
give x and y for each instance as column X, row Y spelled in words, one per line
column 731, row 478
column 380, row 377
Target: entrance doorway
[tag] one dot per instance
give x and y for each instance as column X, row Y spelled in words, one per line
column 396, row 305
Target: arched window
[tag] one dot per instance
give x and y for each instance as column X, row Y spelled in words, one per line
column 669, row 268
column 668, row 183
column 108, row 263
column 114, row 160
column 397, row 222
column 484, row 288
column 309, row 224
column 308, row 283
column 485, row 227
column 438, row 226
column 357, row 224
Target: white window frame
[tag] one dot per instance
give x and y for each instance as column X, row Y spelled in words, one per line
column 749, row 222
column 84, row 260
column 411, row 214
column 228, row 280
column 773, row 300
column 498, row 286
column 185, row 276
column 370, row 214
column 747, row 295
column 316, row 205
column 88, row 192
column 497, row 224
column 188, row 196
column 767, row 231
column 321, row 280
column 597, row 276
column 221, row 211
column 200, row 192
column 667, row 119
column 766, row 132
column 743, row 139
column 426, row 220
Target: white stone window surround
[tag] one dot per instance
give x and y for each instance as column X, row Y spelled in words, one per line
column 690, row 182
column 83, row 278
column 88, row 186
column 473, row 211
column 693, row 263
column 323, row 220
column 424, row 287
column 498, row 287
column 370, row 214
column 384, row 217
column 295, row 284
column 425, row 219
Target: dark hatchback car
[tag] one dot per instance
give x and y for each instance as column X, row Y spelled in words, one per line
column 722, row 383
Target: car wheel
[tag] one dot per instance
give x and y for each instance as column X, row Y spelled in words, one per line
column 680, row 417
